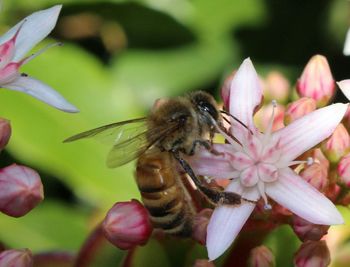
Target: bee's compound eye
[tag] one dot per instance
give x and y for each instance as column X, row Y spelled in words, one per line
column 209, row 108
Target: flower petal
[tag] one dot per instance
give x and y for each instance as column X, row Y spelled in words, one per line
column 35, row 28
column 301, row 198
column 346, row 49
column 344, row 85
column 224, row 226
column 42, row 92
column 309, row 130
column 207, row 164
column 245, row 93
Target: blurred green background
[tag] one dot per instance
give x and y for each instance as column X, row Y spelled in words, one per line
column 117, row 58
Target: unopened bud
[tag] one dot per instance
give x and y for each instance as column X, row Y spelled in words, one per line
column 5, row 132
column 311, row 254
column 203, row 263
column 317, row 175
column 261, row 257
column 263, row 117
column 332, row 192
column 20, row 190
column 344, row 170
column 337, row 145
column 276, row 86
column 306, row 230
column 16, row 258
column 127, row 224
column 225, row 90
column 298, row 109
column 200, row 223
column 317, row 81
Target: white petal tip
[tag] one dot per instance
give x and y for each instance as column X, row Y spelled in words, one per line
column 344, row 86
column 71, row 109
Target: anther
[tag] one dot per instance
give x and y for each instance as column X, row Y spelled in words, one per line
column 309, row 161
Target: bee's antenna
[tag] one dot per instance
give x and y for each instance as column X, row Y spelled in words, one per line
column 236, row 119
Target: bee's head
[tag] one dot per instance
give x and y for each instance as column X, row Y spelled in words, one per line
column 206, row 105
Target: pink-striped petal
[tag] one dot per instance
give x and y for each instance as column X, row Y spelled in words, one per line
column 42, row 92
column 309, row 130
column 301, row 198
column 34, row 29
column 344, row 86
column 227, row 221
column 224, row 226
column 208, row 164
column 245, row 93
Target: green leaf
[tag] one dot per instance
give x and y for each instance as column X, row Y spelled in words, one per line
column 38, row 129
column 44, row 228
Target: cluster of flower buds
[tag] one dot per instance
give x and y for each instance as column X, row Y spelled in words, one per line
column 20, row 187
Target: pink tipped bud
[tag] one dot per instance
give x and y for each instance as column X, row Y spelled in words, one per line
column 261, row 257
column 344, row 170
column 5, row 132
column 203, row 263
column 299, row 108
column 225, row 90
column 337, row 145
column 332, row 192
column 311, row 254
column 308, row 231
column 20, row 190
column 127, row 224
column 317, row 81
column 16, row 258
column 263, row 117
column 200, row 223
column 276, row 87
column 316, row 175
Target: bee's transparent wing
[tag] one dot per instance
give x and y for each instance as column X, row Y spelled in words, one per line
column 127, row 138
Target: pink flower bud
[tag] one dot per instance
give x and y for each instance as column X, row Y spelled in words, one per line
column 308, row 231
column 16, row 258
column 317, row 81
column 200, row 223
column 261, row 257
column 263, row 116
column 332, row 192
column 344, row 170
column 299, row 108
column 203, row 263
column 127, row 224
column 20, row 190
column 316, row 175
column 311, row 254
column 5, row 132
column 337, row 145
column 276, row 87
column 225, row 90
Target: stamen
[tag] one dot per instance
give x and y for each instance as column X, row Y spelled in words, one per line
column 309, row 161
column 26, row 60
column 261, row 188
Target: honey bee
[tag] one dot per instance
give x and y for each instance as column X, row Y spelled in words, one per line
column 174, row 127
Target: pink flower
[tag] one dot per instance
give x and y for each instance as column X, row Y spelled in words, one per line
column 260, row 163
column 317, row 81
column 15, row 44
column 308, row 231
column 127, row 224
column 16, row 258
column 20, row 190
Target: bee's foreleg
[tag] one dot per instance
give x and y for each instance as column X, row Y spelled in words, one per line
column 214, row 196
